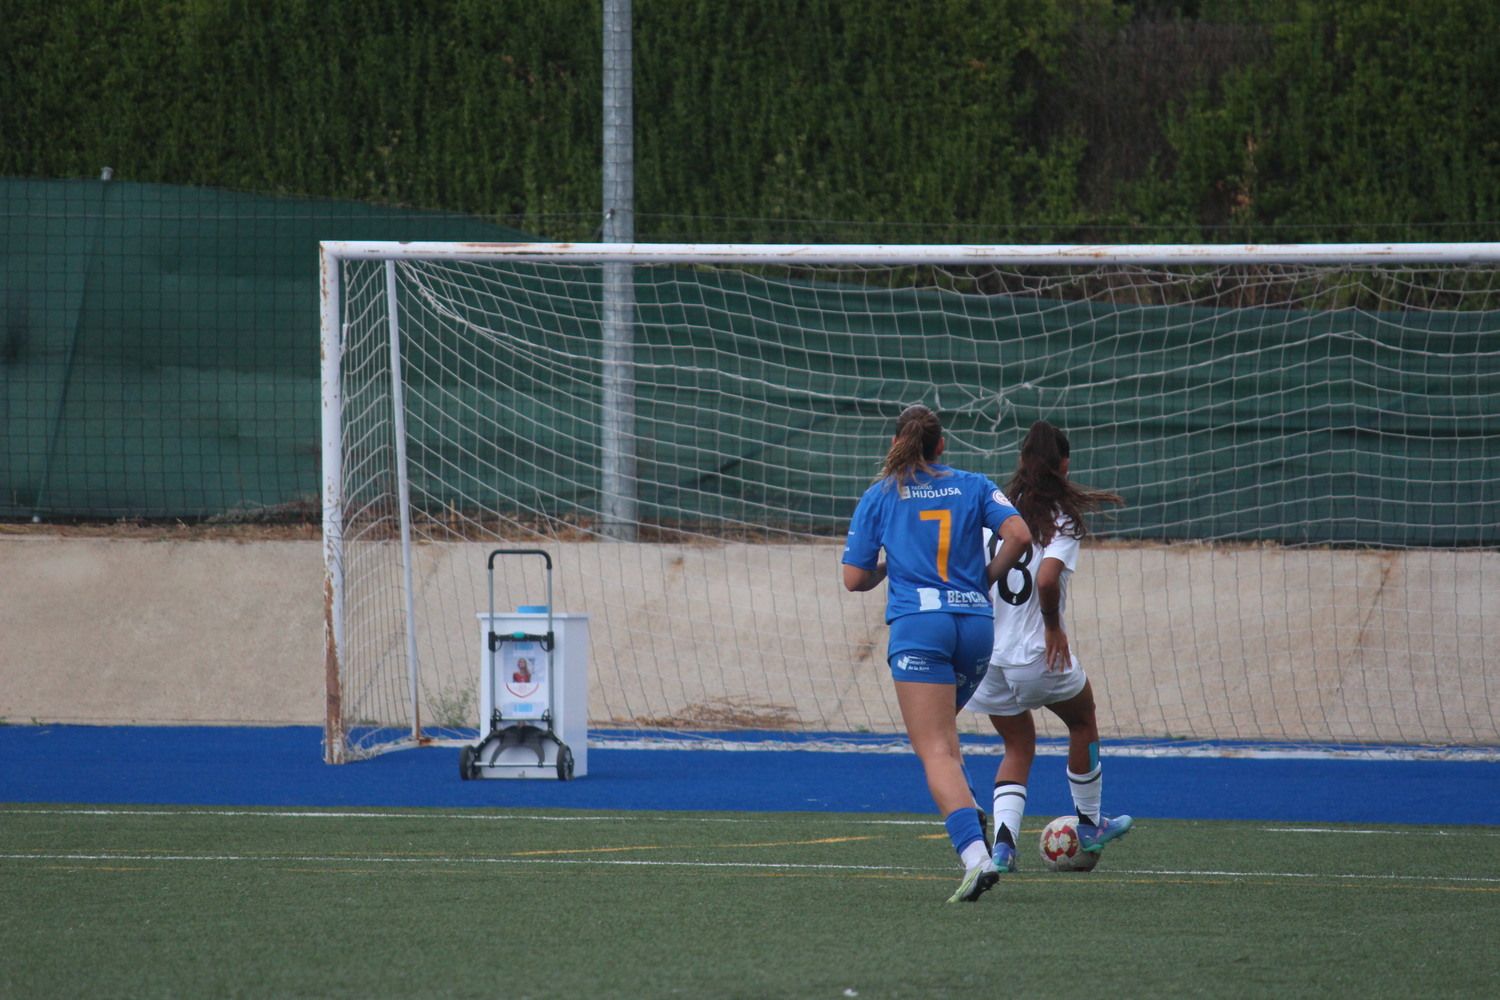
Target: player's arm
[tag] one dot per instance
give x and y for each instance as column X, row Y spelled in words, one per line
column 1049, row 600
column 1015, row 539
column 857, row 578
column 863, row 568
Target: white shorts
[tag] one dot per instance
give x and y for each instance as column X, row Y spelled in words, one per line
column 1009, row 690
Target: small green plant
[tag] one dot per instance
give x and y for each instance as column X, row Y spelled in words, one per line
column 453, row 708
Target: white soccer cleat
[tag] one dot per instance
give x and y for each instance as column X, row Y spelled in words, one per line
column 976, row 882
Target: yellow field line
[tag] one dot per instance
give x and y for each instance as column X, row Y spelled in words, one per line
column 1490, row 884
column 682, row 847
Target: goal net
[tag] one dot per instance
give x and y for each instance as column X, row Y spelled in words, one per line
column 1307, row 439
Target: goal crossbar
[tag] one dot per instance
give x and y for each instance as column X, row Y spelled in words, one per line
column 1062, row 254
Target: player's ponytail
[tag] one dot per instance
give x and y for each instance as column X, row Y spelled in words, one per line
column 918, row 436
column 1040, row 491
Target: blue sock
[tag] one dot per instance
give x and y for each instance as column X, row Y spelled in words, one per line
column 963, row 828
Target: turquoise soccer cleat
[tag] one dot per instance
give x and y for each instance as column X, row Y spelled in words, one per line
column 1092, row 838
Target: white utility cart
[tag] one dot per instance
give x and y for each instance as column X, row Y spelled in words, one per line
column 533, row 690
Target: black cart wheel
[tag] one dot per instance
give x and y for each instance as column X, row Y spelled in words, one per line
column 468, row 763
column 564, row 764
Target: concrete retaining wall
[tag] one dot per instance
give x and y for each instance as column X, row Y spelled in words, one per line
column 1187, row 641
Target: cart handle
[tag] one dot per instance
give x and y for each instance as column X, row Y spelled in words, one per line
column 547, row 639
column 520, row 552
column 491, row 575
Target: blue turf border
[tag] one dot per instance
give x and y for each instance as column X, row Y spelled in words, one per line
column 282, row 767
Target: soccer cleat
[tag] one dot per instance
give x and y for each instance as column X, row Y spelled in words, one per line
column 1004, row 858
column 976, row 881
column 1092, row 838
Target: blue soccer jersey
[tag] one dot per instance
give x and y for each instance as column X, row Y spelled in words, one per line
column 931, row 530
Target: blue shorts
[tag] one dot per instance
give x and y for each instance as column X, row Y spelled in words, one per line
column 935, row 647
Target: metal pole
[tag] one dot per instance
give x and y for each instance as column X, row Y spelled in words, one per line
column 617, row 435
column 333, row 507
column 403, row 491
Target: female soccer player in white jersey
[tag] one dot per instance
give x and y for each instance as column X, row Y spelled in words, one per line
column 930, row 520
column 1032, row 665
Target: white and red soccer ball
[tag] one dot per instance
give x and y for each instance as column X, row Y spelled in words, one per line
column 1061, row 851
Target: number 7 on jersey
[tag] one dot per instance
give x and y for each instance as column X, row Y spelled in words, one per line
column 944, row 519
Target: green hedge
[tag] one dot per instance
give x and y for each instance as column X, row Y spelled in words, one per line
column 792, row 119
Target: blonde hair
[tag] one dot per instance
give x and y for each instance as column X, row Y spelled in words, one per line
column 915, row 446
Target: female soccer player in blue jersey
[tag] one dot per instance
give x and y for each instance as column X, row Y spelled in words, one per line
column 930, row 520
column 1032, row 665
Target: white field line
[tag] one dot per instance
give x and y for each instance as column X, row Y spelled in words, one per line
column 275, row 859
column 1445, row 832
column 350, row 859
column 1054, row 749
column 810, row 818
column 1382, row 877
column 326, row 859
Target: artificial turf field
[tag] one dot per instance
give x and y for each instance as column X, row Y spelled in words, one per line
column 169, row 901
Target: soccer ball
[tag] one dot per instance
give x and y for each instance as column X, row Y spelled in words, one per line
column 1060, row 849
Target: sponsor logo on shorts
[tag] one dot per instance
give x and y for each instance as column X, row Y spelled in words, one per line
column 915, row 664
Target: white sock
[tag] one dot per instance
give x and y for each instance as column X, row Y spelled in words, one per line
column 974, row 854
column 1088, row 793
column 1010, row 806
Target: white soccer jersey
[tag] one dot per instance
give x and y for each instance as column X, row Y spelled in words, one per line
column 1020, row 635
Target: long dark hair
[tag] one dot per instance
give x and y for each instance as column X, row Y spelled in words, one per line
column 1039, row 490
column 915, row 446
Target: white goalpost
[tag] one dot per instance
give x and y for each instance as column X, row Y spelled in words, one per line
column 1307, row 438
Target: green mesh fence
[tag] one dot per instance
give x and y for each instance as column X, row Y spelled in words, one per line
column 159, row 359
column 159, row 345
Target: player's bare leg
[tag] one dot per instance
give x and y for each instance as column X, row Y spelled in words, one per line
column 1077, row 713
column 927, row 710
column 1085, row 775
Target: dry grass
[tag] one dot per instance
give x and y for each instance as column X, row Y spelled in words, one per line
column 153, row 531
column 719, row 715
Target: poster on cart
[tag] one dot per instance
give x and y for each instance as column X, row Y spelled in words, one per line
column 520, row 681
